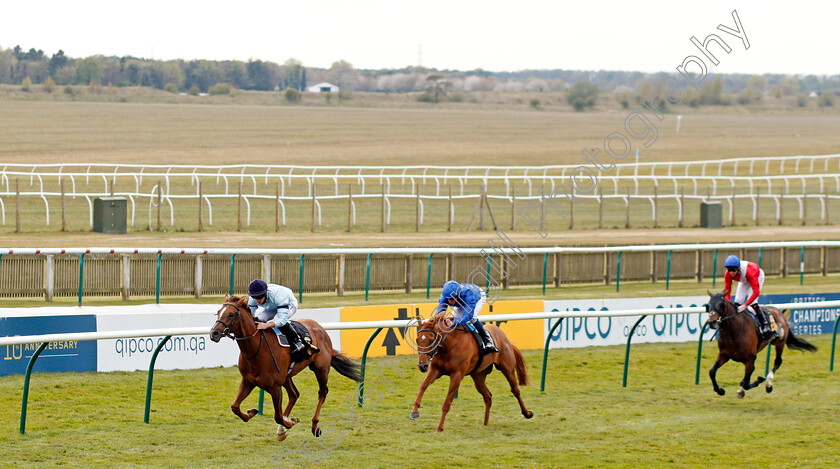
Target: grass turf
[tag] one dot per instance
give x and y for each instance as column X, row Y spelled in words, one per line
column 584, row 419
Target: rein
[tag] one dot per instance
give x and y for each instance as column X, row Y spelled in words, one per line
column 723, row 319
column 438, row 348
column 227, row 333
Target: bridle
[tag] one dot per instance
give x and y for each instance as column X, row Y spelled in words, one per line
column 722, row 317
column 433, row 350
column 227, row 333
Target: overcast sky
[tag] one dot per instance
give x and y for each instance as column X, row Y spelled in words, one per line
column 785, row 37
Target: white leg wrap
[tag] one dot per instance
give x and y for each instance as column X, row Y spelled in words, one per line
column 281, row 429
column 741, row 389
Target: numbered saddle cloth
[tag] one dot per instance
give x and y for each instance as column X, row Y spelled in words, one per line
column 302, row 331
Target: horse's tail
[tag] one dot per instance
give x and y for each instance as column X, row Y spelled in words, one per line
column 346, row 366
column 799, row 344
column 521, row 368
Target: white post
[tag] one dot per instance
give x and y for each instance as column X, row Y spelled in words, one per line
column 267, row 269
column 126, row 276
column 679, row 118
column 340, row 276
column 198, row 275
column 49, row 277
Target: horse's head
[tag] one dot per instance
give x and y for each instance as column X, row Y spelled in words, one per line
column 230, row 318
column 428, row 340
column 719, row 309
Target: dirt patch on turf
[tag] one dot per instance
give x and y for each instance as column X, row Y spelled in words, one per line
column 430, row 239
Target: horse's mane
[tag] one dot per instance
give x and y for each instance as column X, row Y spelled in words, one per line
column 236, row 299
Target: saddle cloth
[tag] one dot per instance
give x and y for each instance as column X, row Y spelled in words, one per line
column 480, row 342
column 302, row 331
column 304, row 335
column 478, row 339
column 771, row 320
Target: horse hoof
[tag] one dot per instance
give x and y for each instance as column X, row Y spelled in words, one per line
column 317, row 432
column 439, row 430
column 281, row 436
column 759, row 380
column 741, row 394
column 253, row 412
column 769, row 389
column 414, row 416
column 721, row 391
column 529, row 414
column 294, row 420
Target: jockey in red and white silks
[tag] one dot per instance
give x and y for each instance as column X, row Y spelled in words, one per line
column 749, row 277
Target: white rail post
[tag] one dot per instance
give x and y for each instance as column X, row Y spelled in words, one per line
column 198, row 275
column 49, row 277
column 339, row 289
column 126, row 277
column 266, row 265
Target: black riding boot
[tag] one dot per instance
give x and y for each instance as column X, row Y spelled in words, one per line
column 766, row 332
column 294, row 339
column 488, row 342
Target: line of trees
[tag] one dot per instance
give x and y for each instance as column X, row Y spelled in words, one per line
column 16, row 65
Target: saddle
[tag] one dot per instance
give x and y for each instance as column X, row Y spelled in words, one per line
column 480, row 342
column 303, row 332
column 771, row 320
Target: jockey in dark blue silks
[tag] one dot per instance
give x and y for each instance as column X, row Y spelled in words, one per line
column 466, row 301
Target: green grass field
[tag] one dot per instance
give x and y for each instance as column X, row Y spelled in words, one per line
column 584, row 419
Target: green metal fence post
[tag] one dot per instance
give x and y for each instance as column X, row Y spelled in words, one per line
column 364, row 363
column 157, row 282
column 627, row 351
column 668, row 275
column 429, row 276
column 300, row 279
column 618, row 272
column 487, row 288
column 545, row 270
column 833, row 343
column 367, row 277
column 545, row 351
column 699, row 351
column 760, row 252
column 151, row 378
column 26, row 386
column 232, row 270
column 81, row 276
column 262, row 401
column 714, row 270
column 802, row 265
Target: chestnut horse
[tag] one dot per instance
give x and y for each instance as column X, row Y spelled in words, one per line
column 738, row 340
column 445, row 350
column 264, row 363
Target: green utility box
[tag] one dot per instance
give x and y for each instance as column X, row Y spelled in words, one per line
column 109, row 214
column 711, row 215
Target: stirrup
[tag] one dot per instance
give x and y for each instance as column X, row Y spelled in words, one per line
column 490, row 348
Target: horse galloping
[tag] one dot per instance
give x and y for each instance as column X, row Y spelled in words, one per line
column 269, row 366
column 738, row 340
column 448, row 350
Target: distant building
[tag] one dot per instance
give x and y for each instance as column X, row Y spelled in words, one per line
column 322, row 88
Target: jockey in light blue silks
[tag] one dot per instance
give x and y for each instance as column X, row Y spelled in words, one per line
column 273, row 305
column 466, row 301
